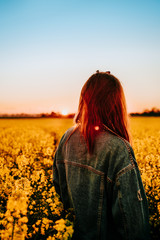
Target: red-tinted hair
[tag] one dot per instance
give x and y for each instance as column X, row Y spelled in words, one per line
column 102, row 102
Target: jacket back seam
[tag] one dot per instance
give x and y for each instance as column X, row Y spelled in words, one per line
column 124, row 170
column 82, row 166
column 109, row 180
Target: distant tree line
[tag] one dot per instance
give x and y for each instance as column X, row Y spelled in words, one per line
column 154, row 112
column 57, row 115
column 39, row 115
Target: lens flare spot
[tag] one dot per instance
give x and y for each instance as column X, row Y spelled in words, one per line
column 96, row 128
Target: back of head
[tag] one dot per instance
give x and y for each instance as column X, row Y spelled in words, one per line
column 102, row 102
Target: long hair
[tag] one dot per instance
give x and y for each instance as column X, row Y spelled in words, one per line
column 102, row 103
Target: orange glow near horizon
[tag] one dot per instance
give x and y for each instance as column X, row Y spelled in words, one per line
column 39, row 106
column 40, row 109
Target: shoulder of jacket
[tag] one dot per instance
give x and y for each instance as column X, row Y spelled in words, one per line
column 123, row 159
column 116, row 141
column 123, row 148
column 67, row 135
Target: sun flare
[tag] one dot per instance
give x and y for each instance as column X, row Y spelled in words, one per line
column 64, row 112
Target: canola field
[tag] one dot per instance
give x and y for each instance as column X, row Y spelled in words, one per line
column 29, row 205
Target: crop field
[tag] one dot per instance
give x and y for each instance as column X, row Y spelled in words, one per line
column 29, row 205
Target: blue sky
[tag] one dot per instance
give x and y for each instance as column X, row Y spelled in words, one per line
column 48, row 49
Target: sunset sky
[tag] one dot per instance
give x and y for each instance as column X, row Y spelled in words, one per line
column 49, row 48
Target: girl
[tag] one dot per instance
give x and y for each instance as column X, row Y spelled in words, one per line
column 95, row 171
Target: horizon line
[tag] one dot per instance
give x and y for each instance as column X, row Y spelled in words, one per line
column 153, row 109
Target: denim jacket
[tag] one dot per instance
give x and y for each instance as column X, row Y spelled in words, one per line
column 104, row 189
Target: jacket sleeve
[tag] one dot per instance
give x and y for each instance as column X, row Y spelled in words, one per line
column 55, row 176
column 129, row 204
column 59, row 174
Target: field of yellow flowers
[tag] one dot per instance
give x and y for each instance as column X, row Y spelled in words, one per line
column 29, row 205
